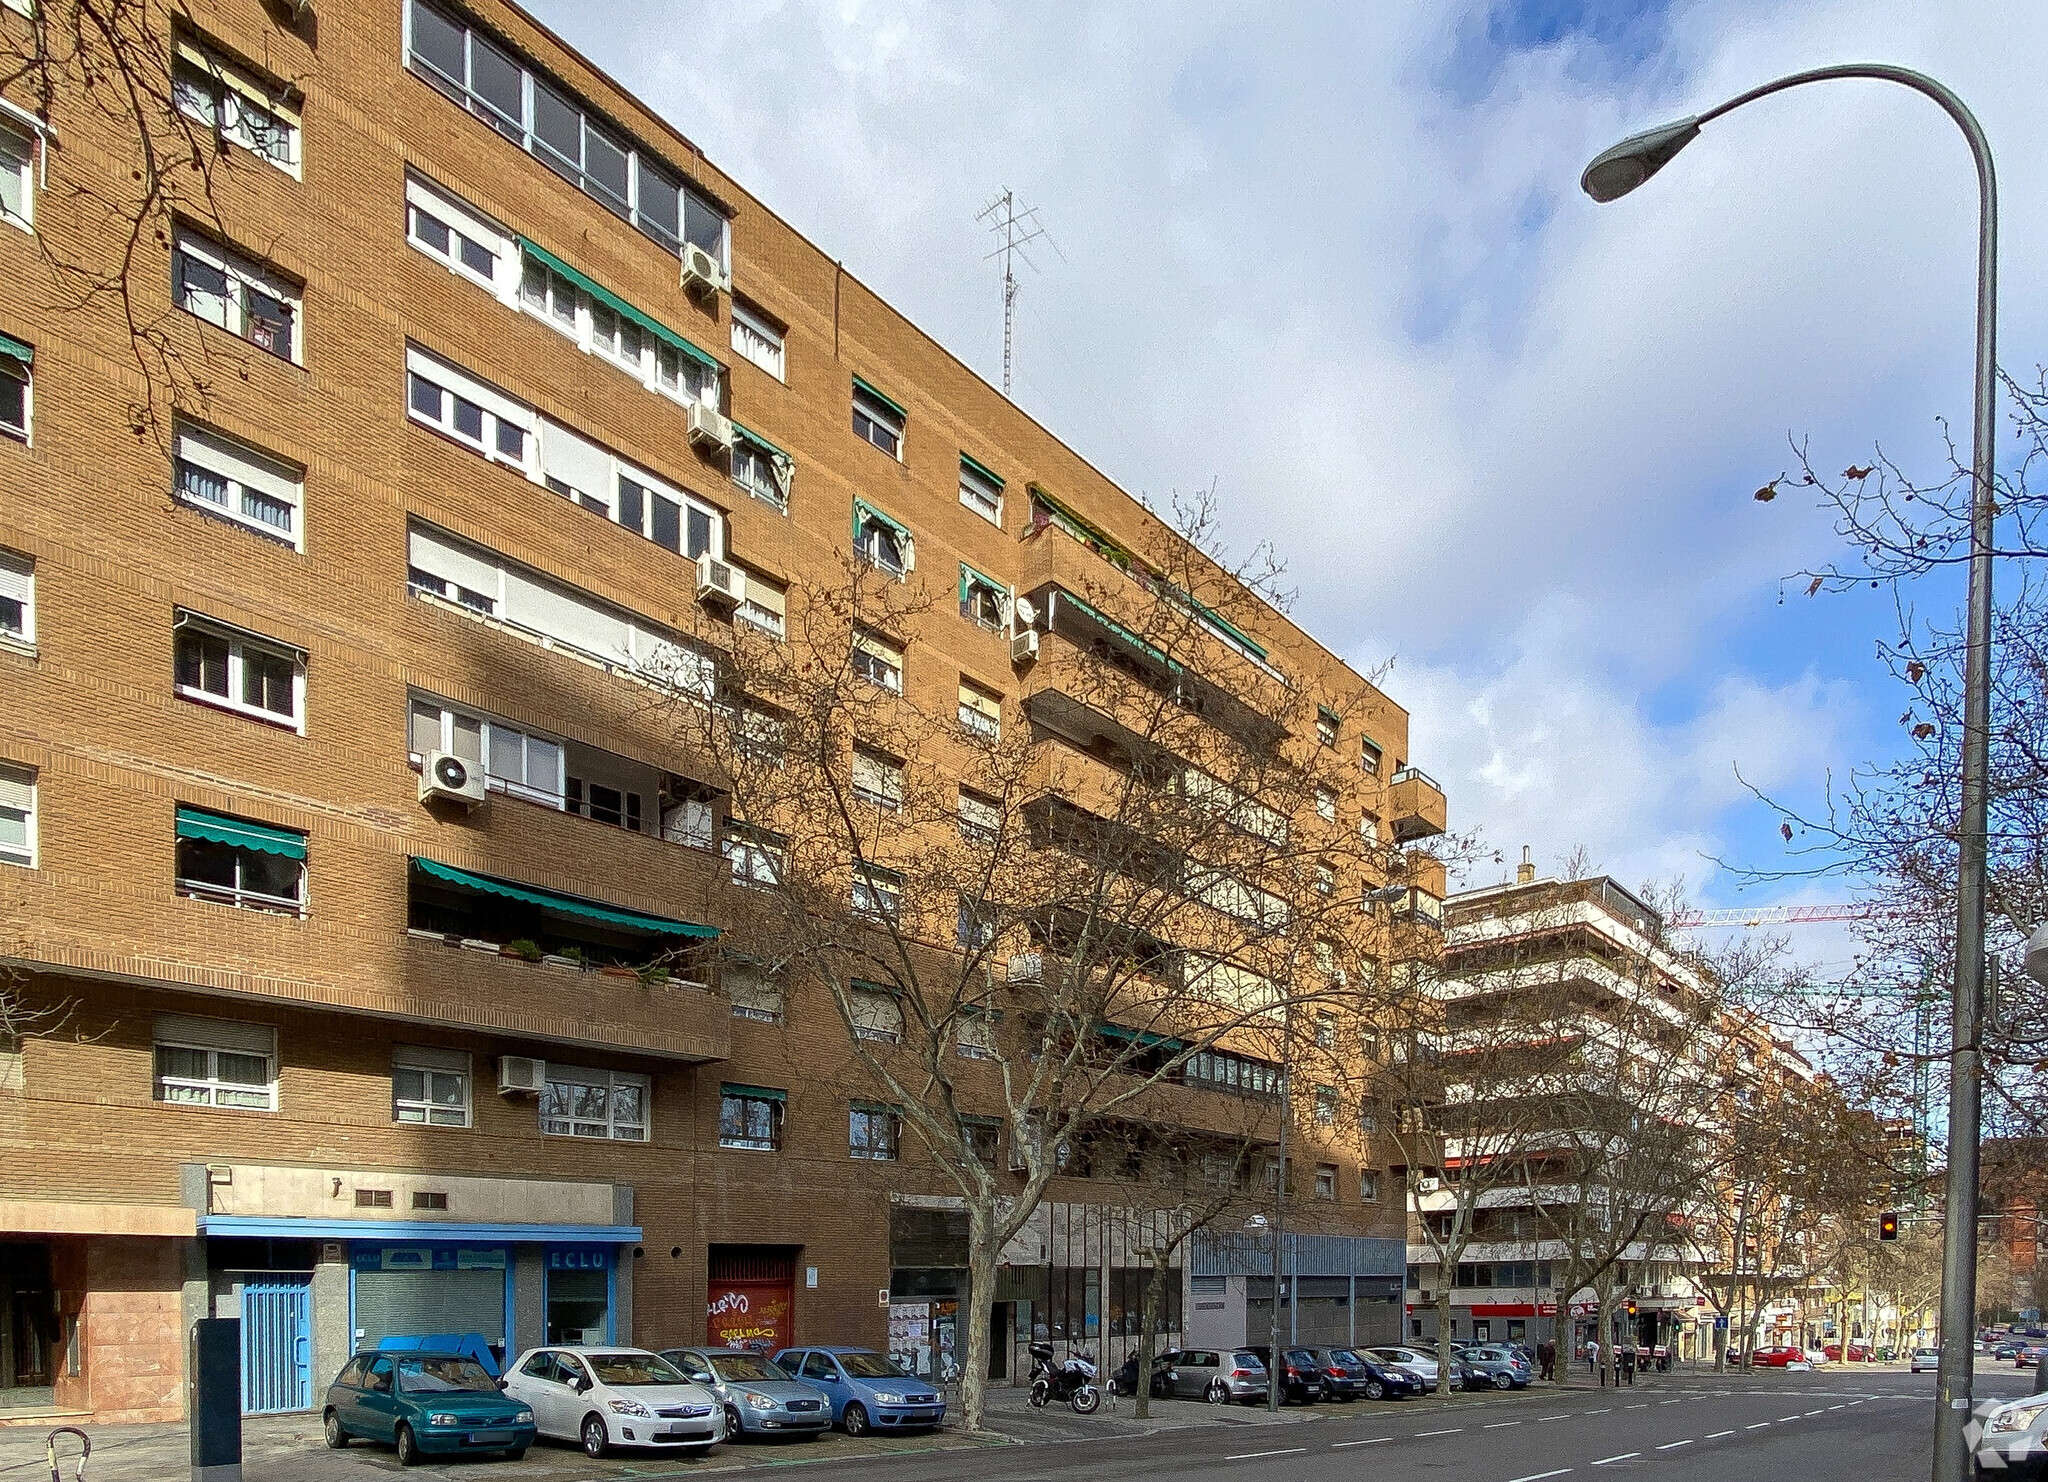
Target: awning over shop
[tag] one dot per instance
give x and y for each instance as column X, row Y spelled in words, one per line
column 556, row 901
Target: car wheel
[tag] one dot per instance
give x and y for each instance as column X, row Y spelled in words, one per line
column 337, row 1437
column 1218, row 1393
column 1503, row 1381
column 855, row 1418
column 1374, row 1390
column 408, row 1446
column 733, row 1428
column 1325, row 1393
column 595, row 1442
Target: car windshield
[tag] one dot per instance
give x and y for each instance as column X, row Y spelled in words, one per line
column 1344, row 1356
column 438, row 1376
column 1248, row 1361
column 872, row 1366
column 745, row 1367
column 630, row 1369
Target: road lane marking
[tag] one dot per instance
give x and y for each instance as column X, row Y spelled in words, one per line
column 1454, row 1430
column 1625, row 1456
column 1673, row 1445
column 1602, row 1411
column 1758, row 1426
column 1539, row 1476
column 1500, row 1425
column 1717, row 1435
column 1783, row 1418
column 1541, row 1418
column 1255, row 1455
column 1815, row 1412
column 1835, row 1407
column 1339, row 1445
column 1674, row 1402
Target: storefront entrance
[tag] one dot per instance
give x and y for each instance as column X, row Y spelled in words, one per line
column 31, row 1335
column 412, row 1290
column 752, row 1297
column 579, row 1294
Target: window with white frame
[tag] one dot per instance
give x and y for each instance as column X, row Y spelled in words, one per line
column 17, row 177
column 429, row 1086
column 980, row 817
column 17, row 815
column 545, row 292
column 974, row 926
column 974, row 1036
column 552, row 124
column 239, row 862
column 981, row 711
column 17, row 598
column 757, row 338
column 604, row 324
column 1323, row 879
column 980, row 490
column 17, row 373
column 877, row 893
column 608, row 800
column 873, row 1133
column 223, row 666
column 876, row 1011
column 1326, row 726
column 983, row 600
column 755, row 855
column 214, row 1062
column 514, row 759
column 227, row 478
column 479, row 416
column 594, row 1103
column 755, row 992
column 750, row 1117
column 764, row 472
column 1326, row 1106
column 1368, row 1186
column 877, row 420
column 1326, row 1031
column 878, row 661
column 598, row 480
column 1369, row 755
column 877, row 779
column 882, row 542
column 456, row 234
column 765, row 606
column 235, row 292
column 239, row 105
column 1326, row 805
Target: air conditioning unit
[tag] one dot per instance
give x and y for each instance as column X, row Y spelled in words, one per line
column 1027, row 967
column 701, row 272
column 710, row 428
column 1024, row 646
column 449, row 778
column 521, row 1075
column 720, row 581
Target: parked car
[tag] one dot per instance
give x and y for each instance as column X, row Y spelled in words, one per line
column 1777, row 1356
column 1347, row 1374
column 1926, row 1359
column 1500, row 1367
column 866, row 1390
column 1218, row 1375
column 606, row 1397
column 2014, row 1442
column 1301, row 1380
column 758, row 1395
column 425, row 1404
column 2029, row 1355
column 1418, row 1363
column 1859, row 1352
column 2007, row 1350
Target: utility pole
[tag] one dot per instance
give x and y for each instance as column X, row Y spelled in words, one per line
column 1015, row 229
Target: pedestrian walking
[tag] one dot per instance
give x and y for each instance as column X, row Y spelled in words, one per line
column 1546, row 1358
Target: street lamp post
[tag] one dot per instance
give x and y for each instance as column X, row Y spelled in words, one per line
column 1615, row 173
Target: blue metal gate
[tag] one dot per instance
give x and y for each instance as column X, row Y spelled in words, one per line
column 277, row 1345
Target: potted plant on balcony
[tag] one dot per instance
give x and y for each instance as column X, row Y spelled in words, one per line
column 568, row 957
column 524, row 948
column 652, row 974
column 614, row 970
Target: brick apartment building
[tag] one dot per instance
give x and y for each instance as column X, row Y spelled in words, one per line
column 508, row 389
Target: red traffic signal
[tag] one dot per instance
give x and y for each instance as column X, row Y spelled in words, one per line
column 1888, row 1226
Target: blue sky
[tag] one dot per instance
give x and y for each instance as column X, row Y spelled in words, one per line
column 1332, row 257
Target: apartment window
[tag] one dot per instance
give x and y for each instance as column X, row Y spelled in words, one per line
column 877, row 420
column 754, row 855
column 876, row 1012
column 17, row 178
column 981, row 711
column 983, row 1137
column 236, row 293
column 17, row 363
column 430, row 1199
column 17, row 597
column 750, row 1117
column 227, row 478
column 240, row 862
column 872, row 1133
column 1326, row 961
column 764, row 608
column 761, row 469
column 1324, row 879
column 881, row 541
column 689, row 813
column 599, row 481
column 1326, row 1031
column 1326, row 1181
column 1326, row 725
column 758, row 736
column 981, row 490
column 1326, row 1106
column 238, row 105
column 976, row 926
column 214, row 1062
column 1368, row 1186
column 755, row 993
column 594, row 1103
column 480, row 417
column 455, row 234
column 601, row 802
column 551, row 124
column 225, row 667
column 877, row 779
column 515, row 760
column 17, row 816
column 980, row 818
column 878, row 661
column 983, row 600
column 1326, row 805
column 429, row 1086
column 974, row 1037
column 758, row 338
column 1369, row 757
column 877, row 893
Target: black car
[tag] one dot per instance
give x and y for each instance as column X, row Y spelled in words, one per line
column 1347, row 1374
column 1302, row 1378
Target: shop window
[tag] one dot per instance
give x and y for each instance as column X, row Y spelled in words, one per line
column 429, row 1086
column 873, row 1133
column 594, row 1103
column 214, row 1062
column 750, row 1117
column 579, row 1297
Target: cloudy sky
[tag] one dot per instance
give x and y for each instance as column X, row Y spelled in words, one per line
column 1333, row 259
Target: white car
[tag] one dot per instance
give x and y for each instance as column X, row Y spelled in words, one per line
column 606, row 1397
column 1926, row 1358
column 1419, row 1364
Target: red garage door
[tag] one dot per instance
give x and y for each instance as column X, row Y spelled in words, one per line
column 752, row 1297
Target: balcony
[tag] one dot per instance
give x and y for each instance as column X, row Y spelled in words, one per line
column 1415, row 805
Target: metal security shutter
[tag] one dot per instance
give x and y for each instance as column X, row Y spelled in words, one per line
column 409, row 1303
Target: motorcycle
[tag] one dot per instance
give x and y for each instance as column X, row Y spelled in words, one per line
column 1073, row 1381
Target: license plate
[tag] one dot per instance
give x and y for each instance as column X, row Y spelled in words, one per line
column 489, row 1438
column 684, row 1433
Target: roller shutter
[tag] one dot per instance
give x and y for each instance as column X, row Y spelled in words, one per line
column 410, row 1303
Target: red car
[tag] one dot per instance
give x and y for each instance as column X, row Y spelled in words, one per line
column 1858, row 1352
column 1778, row 1355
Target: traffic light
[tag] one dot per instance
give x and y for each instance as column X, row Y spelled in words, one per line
column 1631, row 1306
column 1888, row 1226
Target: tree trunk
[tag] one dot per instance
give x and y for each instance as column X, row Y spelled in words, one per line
column 982, row 1255
column 1444, row 1360
column 1155, row 1289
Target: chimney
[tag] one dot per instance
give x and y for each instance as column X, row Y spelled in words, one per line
column 1526, row 870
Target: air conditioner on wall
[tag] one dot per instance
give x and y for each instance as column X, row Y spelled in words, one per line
column 720, row 581
column 448, row 778
column 701, row 272
column 1024, row 646
column 710, row 428
column 521, row 1075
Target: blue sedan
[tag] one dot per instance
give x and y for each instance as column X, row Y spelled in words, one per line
column 425, row 1404
column 867, row 1390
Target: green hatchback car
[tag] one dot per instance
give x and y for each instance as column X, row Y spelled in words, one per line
column 425, row 1404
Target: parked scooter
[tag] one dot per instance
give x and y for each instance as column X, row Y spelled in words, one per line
column 1073, row 1381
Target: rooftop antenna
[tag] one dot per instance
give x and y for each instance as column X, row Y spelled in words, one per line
column 1016, row 229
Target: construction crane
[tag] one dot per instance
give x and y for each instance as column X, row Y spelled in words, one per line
column 1774, row 915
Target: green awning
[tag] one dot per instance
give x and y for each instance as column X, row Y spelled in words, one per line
column 756, row 1093
column 15, row 349
column 866, row 985
column 1329, row 715
column 863, row 511
column 618, row 305
column 1082, row 529
column 754, row 437
column 240, row 833
column 1144, row 1038
column 567, row 905
column 890, row 403
column 1062, row 594
column 968, row 576
column 982, row 468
